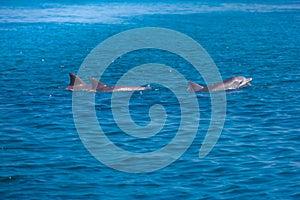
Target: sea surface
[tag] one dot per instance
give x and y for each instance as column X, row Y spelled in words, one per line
column 42, row 154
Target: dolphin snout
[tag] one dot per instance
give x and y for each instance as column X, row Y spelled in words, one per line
column 248, row 80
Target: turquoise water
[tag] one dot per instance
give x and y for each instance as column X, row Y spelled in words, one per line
column 257, row 154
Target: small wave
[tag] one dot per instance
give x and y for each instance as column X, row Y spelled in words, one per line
column 115, row 13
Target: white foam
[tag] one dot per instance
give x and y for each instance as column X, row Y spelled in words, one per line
column 114, row 13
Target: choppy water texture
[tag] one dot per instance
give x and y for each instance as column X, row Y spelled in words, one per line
column 257, row 155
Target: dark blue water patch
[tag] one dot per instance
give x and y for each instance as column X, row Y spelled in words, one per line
column 145, row 100
column 235, row 49
column 130, row 60
column 139, row 107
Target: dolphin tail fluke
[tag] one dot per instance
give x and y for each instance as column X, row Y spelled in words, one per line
column 195, row 87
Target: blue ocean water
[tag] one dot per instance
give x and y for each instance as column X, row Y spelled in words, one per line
column 257, row 154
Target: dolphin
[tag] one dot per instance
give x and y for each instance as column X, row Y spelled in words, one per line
column 102, row 87
column 97, row 86
column 232, row 83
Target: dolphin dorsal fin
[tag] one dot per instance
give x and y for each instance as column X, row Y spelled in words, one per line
column 78, row 81
column 195, row 87
column 97, row 84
